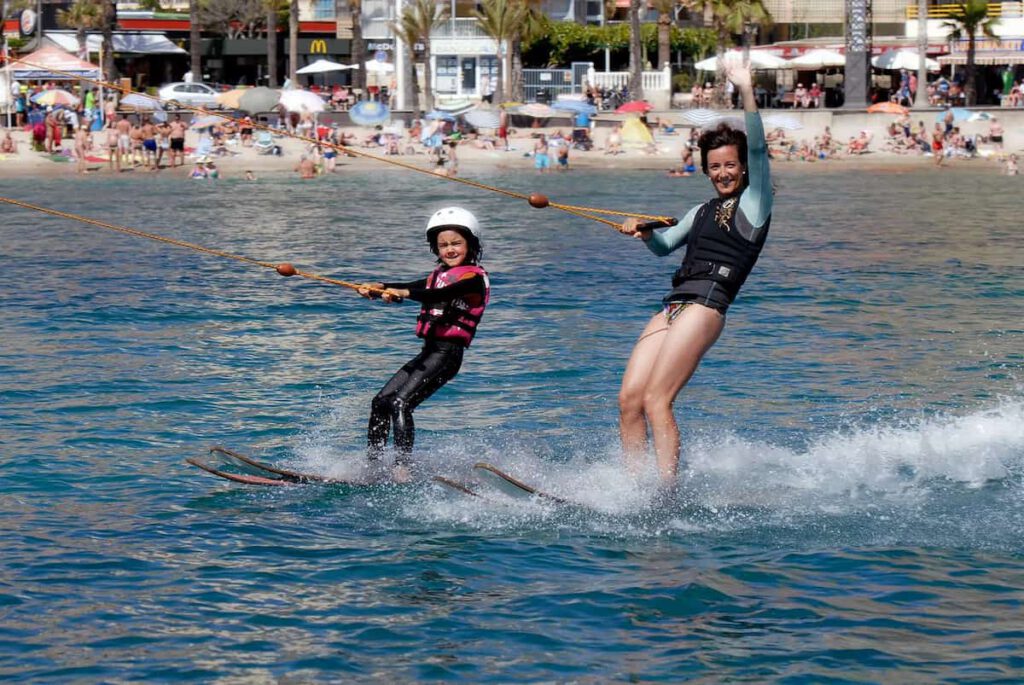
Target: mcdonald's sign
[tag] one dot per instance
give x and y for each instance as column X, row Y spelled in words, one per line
column 318, row 46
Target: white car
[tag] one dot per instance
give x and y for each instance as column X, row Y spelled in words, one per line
column 192, row 94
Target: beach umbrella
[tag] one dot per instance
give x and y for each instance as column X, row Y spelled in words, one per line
column 902, row 59
column 140, row 103
column 323, row 66
column 535, row 110
column 700, row 116
column 456, row 107
column 979, row 116
column 482, row 118
column 818, row 59
column 888, row 108
column 208, row 121
column 55, row 97
column 783, row 121
column 634, row 107
column 438, row 115
column 375, row 67
column 369, row 113
column 575, row 106
column 260, row 99
column 231, row 99
column 302, row 100
column 759, row 59
column 959, row 114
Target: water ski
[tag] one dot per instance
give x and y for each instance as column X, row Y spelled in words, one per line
column 513, row 486
column 277, row 476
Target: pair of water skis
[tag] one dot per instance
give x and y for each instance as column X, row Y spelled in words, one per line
column 268, row 475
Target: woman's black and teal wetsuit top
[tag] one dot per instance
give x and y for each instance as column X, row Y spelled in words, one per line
column 723, row 236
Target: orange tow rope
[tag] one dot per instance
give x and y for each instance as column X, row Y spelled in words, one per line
column 537, row 200
column 284, row 268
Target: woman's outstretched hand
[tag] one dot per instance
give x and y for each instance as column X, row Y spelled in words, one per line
column 631, row 226
column 738, row 73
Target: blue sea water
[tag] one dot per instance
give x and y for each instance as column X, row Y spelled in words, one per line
column 850, row 508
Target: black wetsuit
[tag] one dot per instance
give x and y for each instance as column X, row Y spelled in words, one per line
column 423, row 375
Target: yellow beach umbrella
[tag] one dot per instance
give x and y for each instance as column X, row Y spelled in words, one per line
column 230, row 99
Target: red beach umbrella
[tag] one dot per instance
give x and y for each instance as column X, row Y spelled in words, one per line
column 634, row 107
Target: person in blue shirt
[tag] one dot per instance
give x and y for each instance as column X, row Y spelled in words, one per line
column 723, row 238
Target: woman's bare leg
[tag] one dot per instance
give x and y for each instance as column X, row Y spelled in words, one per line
column 632, row 423
column 690, row 336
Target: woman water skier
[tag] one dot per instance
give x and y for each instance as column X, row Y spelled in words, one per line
column 453, row 298
column 724, row 237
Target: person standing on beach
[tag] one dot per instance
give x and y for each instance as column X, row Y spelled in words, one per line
column 124, row 141
column 83, row 143
column 177, row 141
column 503, row 127
column 724, row 237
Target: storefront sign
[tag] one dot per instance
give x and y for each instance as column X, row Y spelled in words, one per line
column 464, row 46
column 318, row 46
column 27, row 22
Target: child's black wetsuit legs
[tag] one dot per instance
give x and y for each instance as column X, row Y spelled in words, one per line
column 436, row 364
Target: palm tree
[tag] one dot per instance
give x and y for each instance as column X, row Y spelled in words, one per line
column 502, row 20
column 532, row 25
column 728, row 18
column 355, row 8
column 665, row 10
column 195, row 41
column 921, row 97
column 636, row 85
column 970, row 17
column 273, row 7
column 409, row 39
column 417, row 22
column 82, row 15
column 293, row 40
column 109, row 24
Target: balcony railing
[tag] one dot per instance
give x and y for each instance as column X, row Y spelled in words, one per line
column 996, row 10
column 459, row 27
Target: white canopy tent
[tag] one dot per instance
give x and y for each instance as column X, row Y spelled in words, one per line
column 759, row 59
column 902, row 59
column 135, row 42
column 818, row 59
column 324, row 66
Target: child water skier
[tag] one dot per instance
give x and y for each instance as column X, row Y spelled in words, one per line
column 453, row 297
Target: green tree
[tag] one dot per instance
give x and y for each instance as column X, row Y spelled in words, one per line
column 195, row 41
column 403, row 31
column 970, row 18
column 417, row 22
column 501, row 20
column 728, row 18
column 81, row 15
column 272, row 8
column 108, row 28
column 293, row 40
column 530, row 29
column 636, row 87
column 665, row 9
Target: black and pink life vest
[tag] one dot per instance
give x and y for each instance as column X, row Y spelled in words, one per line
column 453, row 321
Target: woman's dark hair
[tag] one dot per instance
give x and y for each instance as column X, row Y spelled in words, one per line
column 722, row 135
column 474, row 252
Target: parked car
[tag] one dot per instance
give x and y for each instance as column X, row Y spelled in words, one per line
column 193, row 94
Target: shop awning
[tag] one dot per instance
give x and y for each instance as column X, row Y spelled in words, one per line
column 38, row 66
column 986, row 57
column 133, row 42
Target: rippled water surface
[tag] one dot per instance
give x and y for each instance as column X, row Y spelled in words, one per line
column 851, row 507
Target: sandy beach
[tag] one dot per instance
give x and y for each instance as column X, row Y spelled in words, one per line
column 663, row 155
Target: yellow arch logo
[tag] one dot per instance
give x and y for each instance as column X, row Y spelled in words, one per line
column 318, row 46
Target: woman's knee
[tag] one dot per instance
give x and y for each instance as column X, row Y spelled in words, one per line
column 656, row 406
column 631, row 401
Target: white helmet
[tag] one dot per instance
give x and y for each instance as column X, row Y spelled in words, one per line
column 453, row 217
